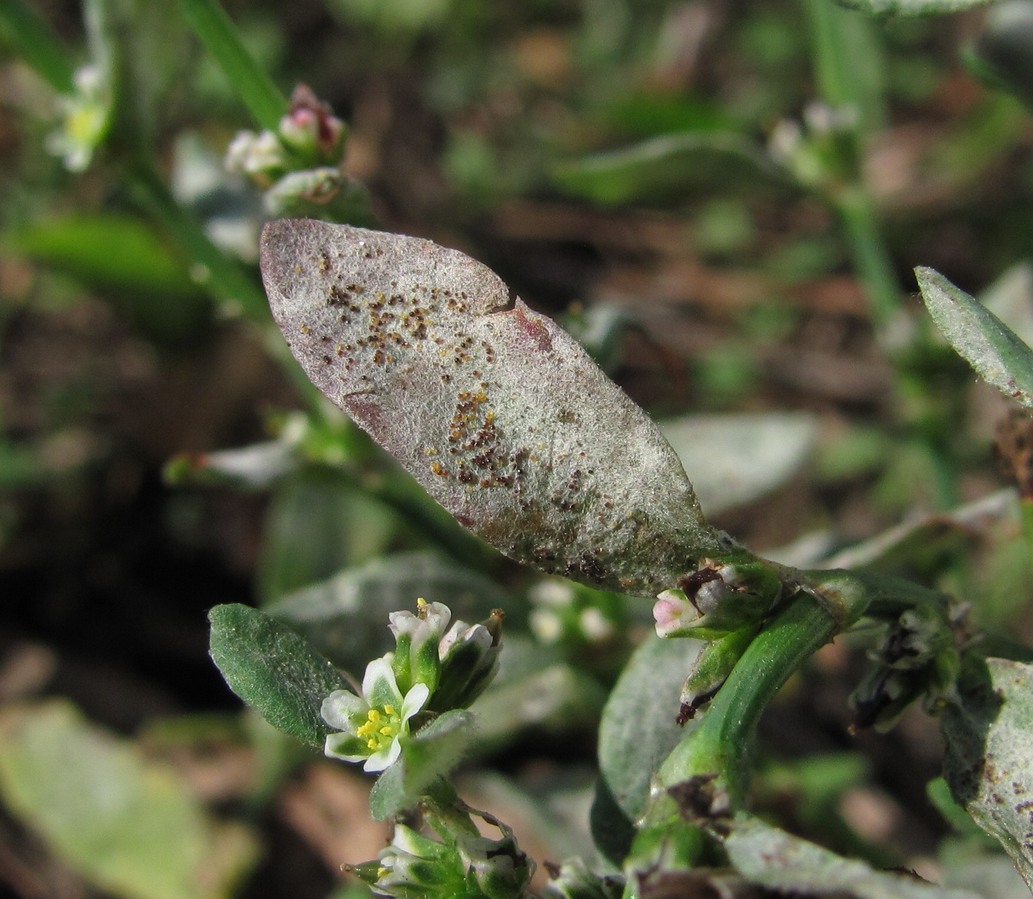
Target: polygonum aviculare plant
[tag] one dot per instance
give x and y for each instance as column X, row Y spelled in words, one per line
column 505, row 420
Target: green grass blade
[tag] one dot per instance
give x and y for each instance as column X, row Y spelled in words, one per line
column 37, row 44
column 220, row 37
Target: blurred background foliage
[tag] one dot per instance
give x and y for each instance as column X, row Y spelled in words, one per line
column 723, row 201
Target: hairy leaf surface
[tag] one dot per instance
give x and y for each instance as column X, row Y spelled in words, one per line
column 496, row 411
column 998, row 355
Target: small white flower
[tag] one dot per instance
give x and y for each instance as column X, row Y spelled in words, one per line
column 372, row 726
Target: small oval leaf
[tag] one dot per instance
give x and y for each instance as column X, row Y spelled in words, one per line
column 499, row 414
column 274, row 670
column 126, row 822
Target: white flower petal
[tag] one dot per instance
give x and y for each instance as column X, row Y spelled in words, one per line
column 414, row 700
column 379, row 686
column 384, row 758
column 337, row 746
column 340, row 706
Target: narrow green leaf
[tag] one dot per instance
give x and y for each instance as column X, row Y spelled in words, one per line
column 221, row 38
column 989, row 760
column 848, row 62
column 34, row 39
column 672, row 165
column 114, row 252
column 274, row 670
column 500, row 415
column 426, row 757
column 996, row 353
column 1005, row 47
column 125, row 261
column 130, row 825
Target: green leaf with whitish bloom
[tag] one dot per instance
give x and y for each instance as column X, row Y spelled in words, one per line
column 997, row 354
column 989, row 759
column 639, row 726
column 911, row 7
column 771, row 858
column 735, row 459
column 345, row 617
column 499, row 414
column 318, row 523
column 274, row 670
column 128, row 824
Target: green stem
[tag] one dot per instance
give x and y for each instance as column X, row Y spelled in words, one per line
column 221, row 38
column 428, row 519
column 37, row 44
column 719, row 750
column 834, row 36
column 723, row 741
column 224, row 279
column 876, row 595
column 221, row 276
column 1026, row 513
column 871, row 257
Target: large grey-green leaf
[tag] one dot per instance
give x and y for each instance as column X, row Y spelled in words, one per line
column 498, row 413
column 989, row 761
column 990, row 346
column 128, row 824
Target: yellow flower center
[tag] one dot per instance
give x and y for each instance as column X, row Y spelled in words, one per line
column 381, row 727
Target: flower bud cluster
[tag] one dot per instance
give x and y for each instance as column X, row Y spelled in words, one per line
column 298, row 163
column 916, row 658
column 461, row 862
column 820, row 152
column 309, row 136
